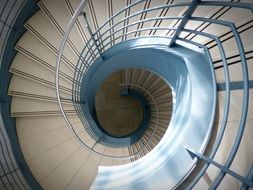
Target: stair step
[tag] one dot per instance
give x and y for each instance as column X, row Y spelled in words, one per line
column 36, row 145
column 29, row 126
column 85, row 174
column 39, row 80
column 41, row 28
column 21, row 107
column 24, row 87
column 47, row 162
column 22, row 64
column 63, row 175
column 35, row 49
column 58, row 14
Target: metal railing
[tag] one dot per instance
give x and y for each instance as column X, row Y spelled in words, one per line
column 141, row 144
column 76, row 88
column 112, row 33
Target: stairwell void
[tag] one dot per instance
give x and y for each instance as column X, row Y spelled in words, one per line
column 118, row 115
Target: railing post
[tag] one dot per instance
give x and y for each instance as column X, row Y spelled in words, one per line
column 99, row 140
column 92, row 35
column 184, row 21
column 194, row 154
column 75, row 101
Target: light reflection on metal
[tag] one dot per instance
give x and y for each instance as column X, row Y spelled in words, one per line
column 187, row 85
column 91, row 34
column 77, row 13
column 194, row 154
column 88, row 62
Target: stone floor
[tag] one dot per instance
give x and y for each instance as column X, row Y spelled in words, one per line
column 118, row 115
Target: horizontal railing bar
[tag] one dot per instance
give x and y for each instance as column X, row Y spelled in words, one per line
column 227, row 4
column 235, row 56
column 237, row 85
column 226, row 107
column 245, row 92
column 230, row 34
column 143, row 29
column 194, row 154
column 215, row 15
column 143, row 16
column 183, row 4
column 163, row 12
column 139, row 22
column 232, row 63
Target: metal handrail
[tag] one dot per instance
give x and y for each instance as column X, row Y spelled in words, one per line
column 63, row 43
column 226, row 107
column 102, row 38
column 245, row 97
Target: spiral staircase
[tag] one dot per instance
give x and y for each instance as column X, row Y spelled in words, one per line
column 126, row 94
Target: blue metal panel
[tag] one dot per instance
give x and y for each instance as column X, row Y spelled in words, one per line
column 245, row 94
column 226, row 106
column 177, row 69
column 227, row 84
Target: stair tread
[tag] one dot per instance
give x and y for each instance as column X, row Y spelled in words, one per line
column 26, row 65
column 30, row 126
column 20, row 85
column 59, row 15
column 32, row 47
column 20, row 105
column 65, row 173
column 42, row 29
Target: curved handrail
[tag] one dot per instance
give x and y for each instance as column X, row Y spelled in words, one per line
column 102, row 38
column 70, row 25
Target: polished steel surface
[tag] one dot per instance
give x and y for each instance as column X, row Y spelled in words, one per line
column 192, row 92
column 189, row 74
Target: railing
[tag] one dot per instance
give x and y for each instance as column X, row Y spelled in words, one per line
column 139, row 145
column 80, row 71
column 112, row 33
